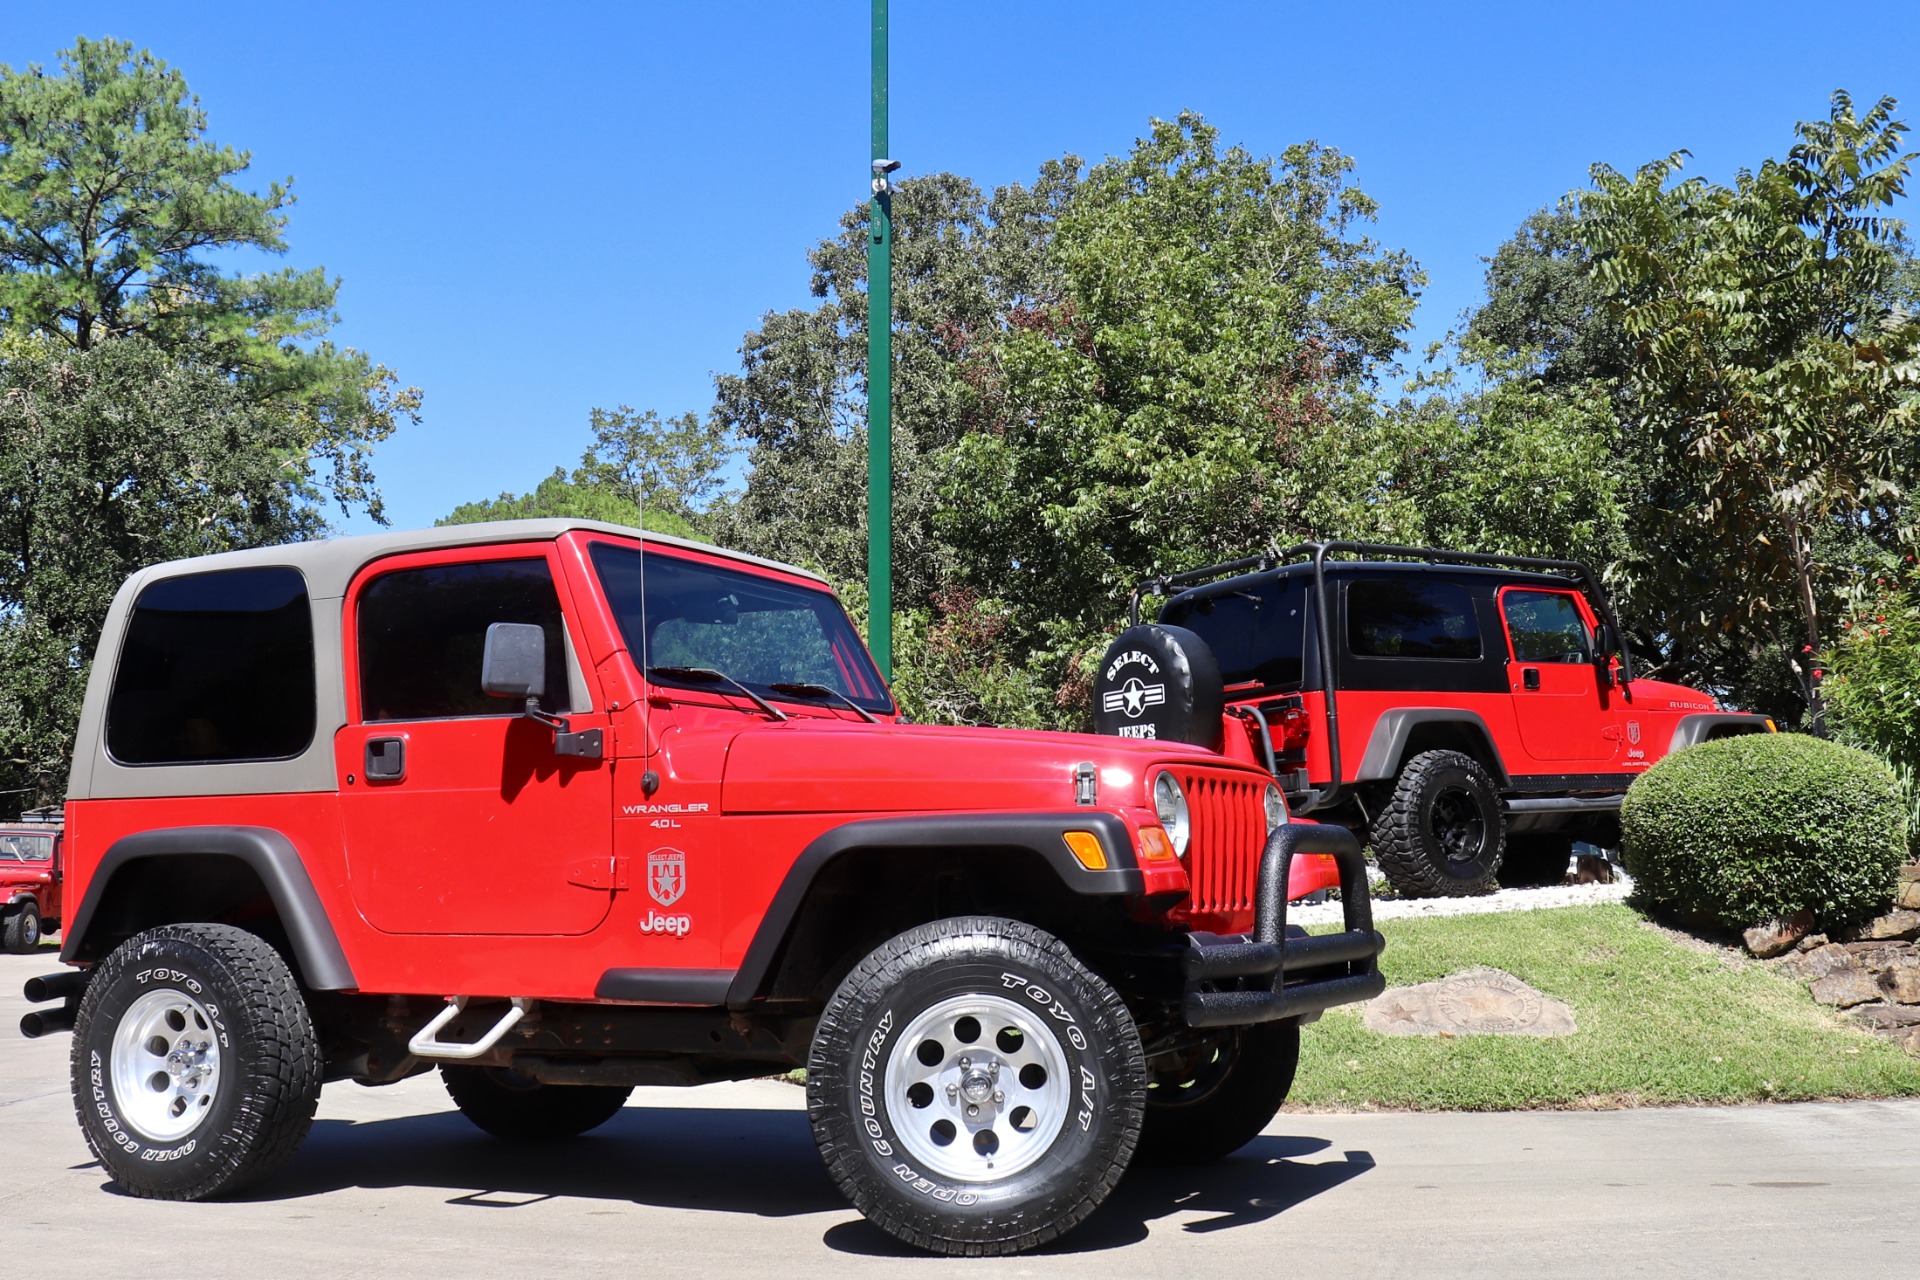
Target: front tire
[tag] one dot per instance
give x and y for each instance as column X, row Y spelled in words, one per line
column 974, row 1088
column 1206, row 1103
column 509, row 1105
column 1441, row 832
column 22, row 930
column 195, row 1065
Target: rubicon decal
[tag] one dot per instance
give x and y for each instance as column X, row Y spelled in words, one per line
column 666, row 875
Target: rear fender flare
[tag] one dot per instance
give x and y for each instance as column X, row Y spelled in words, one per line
column 1037, row 833
column 1387, row 748
column 269, row 854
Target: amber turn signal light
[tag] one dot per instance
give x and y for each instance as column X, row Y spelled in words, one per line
column 1087, row 849
column 1154, row 845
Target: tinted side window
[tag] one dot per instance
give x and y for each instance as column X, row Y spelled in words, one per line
column 1257, row 634
column 1410, row 618
column 215, row 667
column 422, row 633
column 1546, row 626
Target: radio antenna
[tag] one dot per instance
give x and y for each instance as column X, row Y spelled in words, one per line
column 650, row 778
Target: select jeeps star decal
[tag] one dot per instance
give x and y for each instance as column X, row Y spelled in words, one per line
column 666, row 875
column 1134, row 697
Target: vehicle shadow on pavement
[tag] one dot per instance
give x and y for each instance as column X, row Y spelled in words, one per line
column 730, row 1160
column 1260, row 1181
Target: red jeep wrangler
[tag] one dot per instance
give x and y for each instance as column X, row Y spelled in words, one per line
column 560, row 812
column 30, row 882
column 1471, row 715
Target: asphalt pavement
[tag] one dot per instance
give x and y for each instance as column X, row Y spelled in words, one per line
column 724, row 1180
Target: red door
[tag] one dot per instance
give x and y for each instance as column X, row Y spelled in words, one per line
column 460, row 819
column 1556, row 690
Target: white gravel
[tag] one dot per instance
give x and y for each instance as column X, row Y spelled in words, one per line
column 1391, row 908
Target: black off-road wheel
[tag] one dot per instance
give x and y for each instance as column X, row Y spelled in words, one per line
column 974, row 1088
column 21, row 933
column 1535, row 861
column 195, row 1064
column 1209, row 1101
column 1441, row 832
column 508, row 1105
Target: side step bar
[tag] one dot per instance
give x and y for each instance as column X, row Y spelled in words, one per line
column 1335, row 969
column 426, row 1042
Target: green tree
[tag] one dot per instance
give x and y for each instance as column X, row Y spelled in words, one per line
column 113, row 458
column 1543, row 303
column 1772, row 374
column 116, row 214
column 564, row 498
column 677, row 467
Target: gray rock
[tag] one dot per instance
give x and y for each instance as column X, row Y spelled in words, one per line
column 1478, row 1002
column 1909, row 895
column 1902, row 984
column 1818, row 963
column 1897, row 924
column 1912, row 1042
column 1886, row 1017
column 1845, row 988
column 1814, row 941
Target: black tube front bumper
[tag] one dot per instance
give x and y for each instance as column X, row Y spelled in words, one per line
column 1272, row 974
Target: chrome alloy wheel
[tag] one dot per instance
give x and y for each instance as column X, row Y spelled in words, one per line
column 977, row 1088
column 165, row 1065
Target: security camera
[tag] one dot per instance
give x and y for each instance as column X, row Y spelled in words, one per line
column 881, row 168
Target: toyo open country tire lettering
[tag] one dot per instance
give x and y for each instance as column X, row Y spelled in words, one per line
column 508, row 1105
column 1441, row 831
column 21, row 932
column 195, row 1064
column 1209, row 1102
column 974, row 1088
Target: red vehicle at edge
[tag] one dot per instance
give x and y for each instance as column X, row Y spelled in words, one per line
column 560, row 817
column 1471, row 715
column 31, row 878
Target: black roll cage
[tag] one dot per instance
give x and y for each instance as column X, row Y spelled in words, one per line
column 1577, row 572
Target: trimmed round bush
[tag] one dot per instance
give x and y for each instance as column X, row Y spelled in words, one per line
column 1764, row 826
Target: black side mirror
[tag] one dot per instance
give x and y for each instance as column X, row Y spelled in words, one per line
column 515, row 662
column 1605, row 643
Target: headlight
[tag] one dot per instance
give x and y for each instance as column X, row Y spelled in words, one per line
column 1170, row 804
column 1276, row 808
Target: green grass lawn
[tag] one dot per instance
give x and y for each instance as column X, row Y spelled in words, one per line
column 1659, row 1022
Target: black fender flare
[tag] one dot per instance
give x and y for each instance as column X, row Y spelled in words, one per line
column 1038, row 833
column 1700, row 726
column 22, row 897
column 1386, row 749
column 270, row 855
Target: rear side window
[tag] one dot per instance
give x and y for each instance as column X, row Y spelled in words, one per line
column 423, row 632
column 1410, row 618
column 1257, row 633
column 215, row 667
column 1546, row 626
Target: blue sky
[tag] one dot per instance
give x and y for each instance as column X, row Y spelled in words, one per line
column 541, row 208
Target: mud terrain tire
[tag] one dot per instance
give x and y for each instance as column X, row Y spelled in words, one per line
column 195, row 1064
column 1219, row 1098
column 508, row 1105
column 21, row 933
column 1441, row 832
column 974, row 1088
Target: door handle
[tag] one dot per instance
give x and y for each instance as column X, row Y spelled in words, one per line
column 386, row 759
column 1530, row 677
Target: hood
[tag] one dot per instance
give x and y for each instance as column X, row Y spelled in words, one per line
column 820, row 766
column 1658, row 695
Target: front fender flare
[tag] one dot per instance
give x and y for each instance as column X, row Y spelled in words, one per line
column 1700, row 726
column 271, row 856
column 1038, row 833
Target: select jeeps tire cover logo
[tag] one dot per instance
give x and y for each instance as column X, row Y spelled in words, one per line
column 1159, row 682
column 666, row 875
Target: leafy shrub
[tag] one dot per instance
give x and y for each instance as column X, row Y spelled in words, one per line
column 1752, row 828
column 1872, row 690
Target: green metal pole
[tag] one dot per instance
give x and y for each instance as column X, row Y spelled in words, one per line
column 880, row 376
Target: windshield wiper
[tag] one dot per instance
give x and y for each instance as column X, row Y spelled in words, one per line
column 707, row 675
column 824, row 691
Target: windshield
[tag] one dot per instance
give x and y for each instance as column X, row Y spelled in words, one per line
column 20, row 846
column 756, row 630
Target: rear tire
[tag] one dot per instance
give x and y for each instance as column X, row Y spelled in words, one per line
column 196, row 1069
column 974, row 1088
column 508, row 1105
column 22, row 930
column 1441, row 831
column 1535, row 861
column 1214, row 1101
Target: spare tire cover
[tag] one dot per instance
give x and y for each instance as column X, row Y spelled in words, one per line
column 1159, row 682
